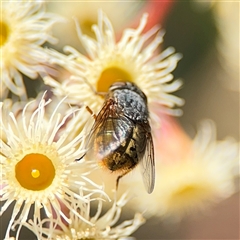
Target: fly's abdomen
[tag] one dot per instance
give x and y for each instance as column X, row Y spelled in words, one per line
column 125, row 156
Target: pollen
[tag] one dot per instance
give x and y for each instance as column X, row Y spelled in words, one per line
column 35, row 172
column 4, row 33
column 111, row 75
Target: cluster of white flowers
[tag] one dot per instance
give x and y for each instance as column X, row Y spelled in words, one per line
column 25, row 27
column 47, row 190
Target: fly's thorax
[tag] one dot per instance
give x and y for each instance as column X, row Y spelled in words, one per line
column 131, row 104
column 130, row 86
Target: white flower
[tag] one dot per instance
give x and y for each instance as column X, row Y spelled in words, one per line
column 206, row 175
column 38, row 167
column 25, row 26
column 226, row 13
column 133, row 58
column 104, row 226
column 3, row 91
column 16, row 109
column 86, row 14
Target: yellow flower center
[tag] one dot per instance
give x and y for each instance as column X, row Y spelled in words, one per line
column 35, row 172
column 4, row 33
column 191, row 194
column 187, row 191
column 111, row 75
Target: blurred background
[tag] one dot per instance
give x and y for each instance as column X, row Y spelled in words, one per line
column 207, row 34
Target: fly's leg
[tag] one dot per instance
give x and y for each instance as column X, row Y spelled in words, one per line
column 94, row 116
column 78, row 159
column 91, row 112
column 102, row 94
column 119, row 177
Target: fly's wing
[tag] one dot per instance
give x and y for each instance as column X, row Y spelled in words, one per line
column 97, row 126
column 147, row 162
column 108, row 132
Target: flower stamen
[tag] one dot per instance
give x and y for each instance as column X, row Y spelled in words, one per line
column 87, row 26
